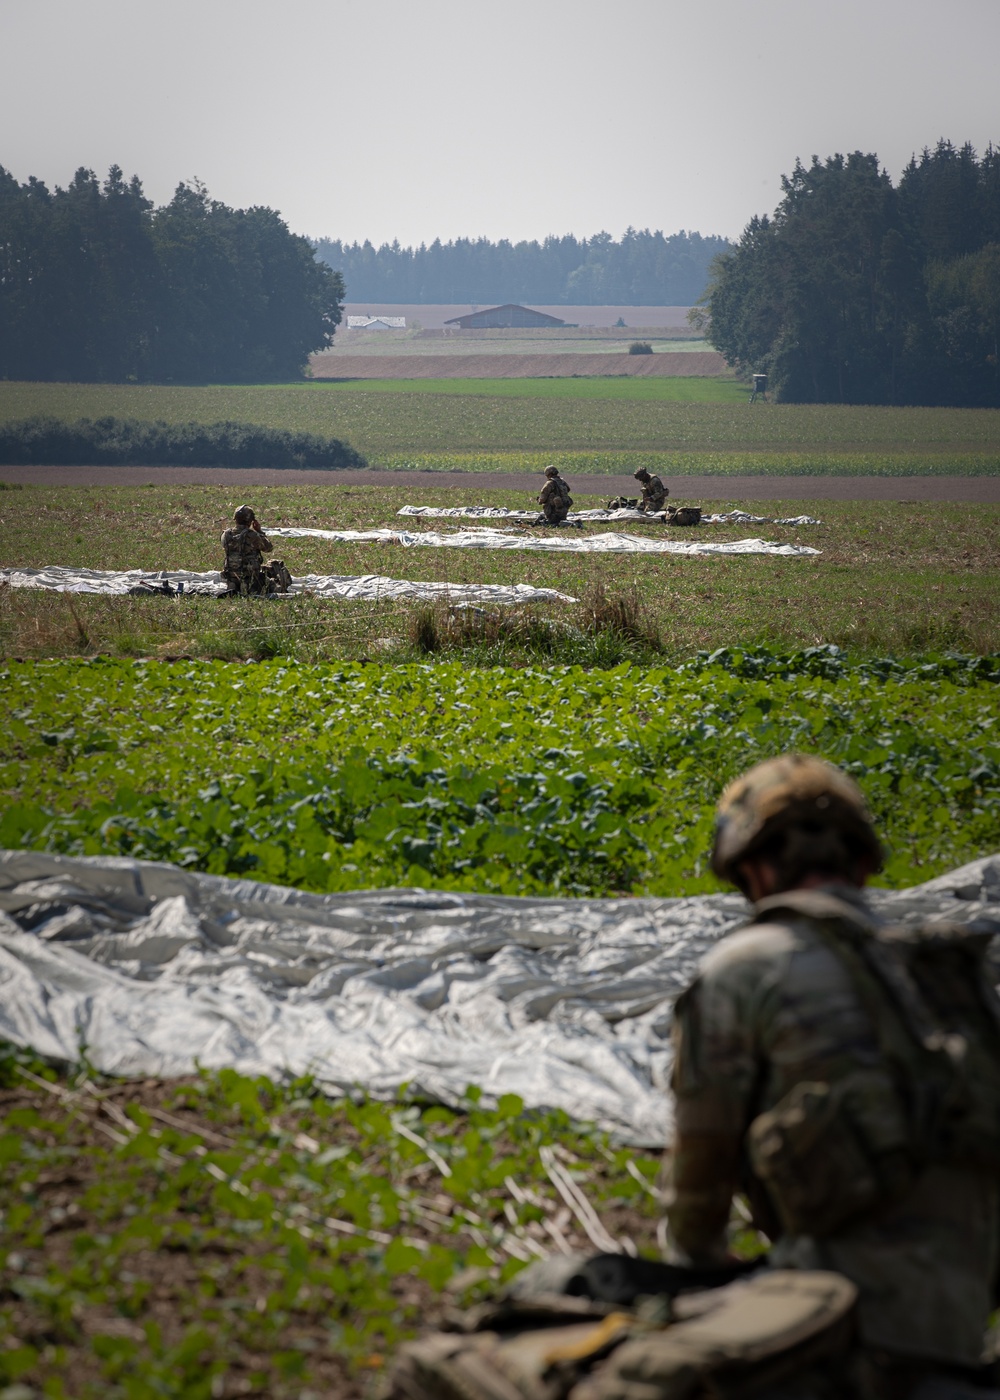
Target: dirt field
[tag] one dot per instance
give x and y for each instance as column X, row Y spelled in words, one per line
column 982, row 490
column 698, row 364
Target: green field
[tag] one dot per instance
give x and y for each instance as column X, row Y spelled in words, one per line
column 679, row 390
column 533, row 781
column 896, row 578
column 597, row 425
column 171, row 1239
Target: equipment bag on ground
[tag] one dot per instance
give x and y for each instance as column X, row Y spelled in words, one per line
column 727, row 1341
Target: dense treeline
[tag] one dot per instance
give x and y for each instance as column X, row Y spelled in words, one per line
column 859, row 292
column 44, row 441
column 96, row 284
column 643, row 269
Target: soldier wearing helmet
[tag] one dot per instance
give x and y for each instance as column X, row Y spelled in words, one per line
column 654, row 493
column 554, row 498
column 244, row 544
column 788, row 1087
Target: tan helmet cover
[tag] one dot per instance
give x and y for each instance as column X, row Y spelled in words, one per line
column 551, row 471
column 243, row 515
column 792, row 790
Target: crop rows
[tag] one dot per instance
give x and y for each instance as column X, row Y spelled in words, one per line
column 387, row 423
column 516, row 781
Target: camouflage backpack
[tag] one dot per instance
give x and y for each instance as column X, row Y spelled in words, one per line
column 622, row 503
column 831, row 1152
column 728, row 1341
column 242, row 558
column 683, row 515
column 278, row 577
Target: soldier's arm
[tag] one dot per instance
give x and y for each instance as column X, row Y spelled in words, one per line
column 261, row 541
column 713, row 1082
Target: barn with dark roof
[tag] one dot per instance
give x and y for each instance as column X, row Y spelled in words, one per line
column 502, row 317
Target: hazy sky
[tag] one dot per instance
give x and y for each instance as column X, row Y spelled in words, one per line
column 419, row 119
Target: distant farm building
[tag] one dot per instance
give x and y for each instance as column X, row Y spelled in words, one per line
column 500, row 317
column 376, row 323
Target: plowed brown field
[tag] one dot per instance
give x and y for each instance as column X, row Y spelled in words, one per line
column 699, row 364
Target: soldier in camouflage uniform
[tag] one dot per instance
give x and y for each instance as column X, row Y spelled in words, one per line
column 554, row 497
column 778, row 1022
column 654, row 493
column 244, row 544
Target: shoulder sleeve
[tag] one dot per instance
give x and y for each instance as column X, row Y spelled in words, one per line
column 717, row 1050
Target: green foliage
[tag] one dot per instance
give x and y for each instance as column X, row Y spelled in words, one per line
column 642, row 269
column 516, row 781
column 640, row 347
column 50, row 442
column 229, row 1235
column 858, row 293
column 612, row 425
column 99, row 285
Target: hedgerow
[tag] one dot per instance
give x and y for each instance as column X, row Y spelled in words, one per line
column 48, row 441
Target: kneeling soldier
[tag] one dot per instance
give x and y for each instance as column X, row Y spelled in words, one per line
column 654, row 493
column 554, row 497
column 244, row 543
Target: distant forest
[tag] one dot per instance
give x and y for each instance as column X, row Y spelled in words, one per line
column 96, row 284
column 643, row 269
column 859, row 292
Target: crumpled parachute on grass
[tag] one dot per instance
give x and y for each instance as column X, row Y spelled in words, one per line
column 729, row 517
column 77, row 580
column 566, row 1002
column 608, row 543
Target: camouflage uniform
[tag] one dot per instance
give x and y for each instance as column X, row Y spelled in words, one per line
column 775, row 1006
column 554, row 498
column 243, row 569
column 654, row 493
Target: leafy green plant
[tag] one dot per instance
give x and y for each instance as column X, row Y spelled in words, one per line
column 226, row 1235
column 530, row 780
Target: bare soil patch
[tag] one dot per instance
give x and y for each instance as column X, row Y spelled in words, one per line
column 689, row 364
column 975, row 490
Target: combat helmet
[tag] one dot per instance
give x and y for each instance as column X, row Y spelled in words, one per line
column 551, row 471
column 804, row 813
column 641, row 474
column 243, row 515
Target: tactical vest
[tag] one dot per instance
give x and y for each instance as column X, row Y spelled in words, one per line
column 828, row 1153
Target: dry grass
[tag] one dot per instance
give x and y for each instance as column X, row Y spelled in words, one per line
column 890, row 578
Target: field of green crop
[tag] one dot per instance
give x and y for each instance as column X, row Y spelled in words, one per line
column 603, row 425
column 226, row 1237
column 534, row 781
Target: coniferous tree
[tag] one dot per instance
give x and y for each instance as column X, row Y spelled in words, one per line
column 856, row 292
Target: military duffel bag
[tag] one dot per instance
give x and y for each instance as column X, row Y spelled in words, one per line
column 279, row 580
column 684, row 515
column 729, row 1341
